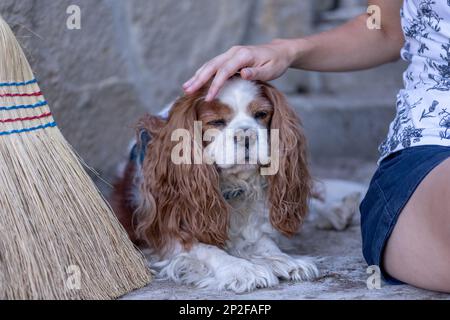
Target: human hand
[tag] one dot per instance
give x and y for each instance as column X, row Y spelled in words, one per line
column 264, row 62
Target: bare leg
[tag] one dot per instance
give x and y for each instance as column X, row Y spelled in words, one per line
column 418, row 251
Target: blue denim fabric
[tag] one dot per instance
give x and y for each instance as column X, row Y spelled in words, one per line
column 391, row 187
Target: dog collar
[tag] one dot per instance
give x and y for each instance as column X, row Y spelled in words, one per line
column 139, row 150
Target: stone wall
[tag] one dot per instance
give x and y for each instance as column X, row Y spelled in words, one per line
column 131, row 56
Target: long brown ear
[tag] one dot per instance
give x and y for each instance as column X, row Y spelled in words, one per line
column 124, row 197
column 289, row 188
column 181, row 201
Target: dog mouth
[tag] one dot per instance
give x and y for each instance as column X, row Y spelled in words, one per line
column 237, row 168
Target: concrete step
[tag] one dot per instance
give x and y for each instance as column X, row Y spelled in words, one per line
column 344, row 126
column 343, row 168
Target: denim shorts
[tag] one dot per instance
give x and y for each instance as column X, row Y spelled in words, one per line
column 392, row 185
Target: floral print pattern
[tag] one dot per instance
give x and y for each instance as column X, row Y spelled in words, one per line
column 423, row 106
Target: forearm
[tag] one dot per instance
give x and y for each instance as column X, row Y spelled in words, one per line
column 350, row 47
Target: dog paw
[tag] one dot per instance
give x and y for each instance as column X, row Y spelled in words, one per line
column 289, row 268
column 303, row 270
column 245, row 277
column 184, row 269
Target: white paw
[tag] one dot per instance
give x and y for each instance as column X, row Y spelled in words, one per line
column 289, row 268
column 184, row 269
column 304, row 270
column 244, row 276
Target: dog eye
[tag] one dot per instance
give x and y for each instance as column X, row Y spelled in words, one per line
column 217, row 123
column 260, row 115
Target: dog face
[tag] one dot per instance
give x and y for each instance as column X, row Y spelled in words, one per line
column 237, row 125
column 182, row 202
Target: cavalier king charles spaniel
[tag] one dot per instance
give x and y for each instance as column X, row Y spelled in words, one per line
column 210, row 186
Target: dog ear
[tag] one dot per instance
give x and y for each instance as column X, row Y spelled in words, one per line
column 125, row 195
column 181, row 201
column 289, row 188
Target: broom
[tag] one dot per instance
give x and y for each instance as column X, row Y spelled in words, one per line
column 58, row 237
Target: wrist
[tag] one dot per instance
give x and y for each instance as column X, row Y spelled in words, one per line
column 294, row 50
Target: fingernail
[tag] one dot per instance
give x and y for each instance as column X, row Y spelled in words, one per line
column 247, row 73
column 187, row 84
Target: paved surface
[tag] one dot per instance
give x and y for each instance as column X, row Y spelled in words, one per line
column 339, row 260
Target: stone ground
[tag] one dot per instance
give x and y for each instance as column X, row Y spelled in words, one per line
column 339, row 259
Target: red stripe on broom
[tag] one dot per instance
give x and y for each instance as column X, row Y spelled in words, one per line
column 34, row 94
column 44, row 115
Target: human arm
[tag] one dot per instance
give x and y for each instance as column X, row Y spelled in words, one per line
column 352, row 46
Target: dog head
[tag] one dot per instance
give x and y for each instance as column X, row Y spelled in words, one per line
column 248, row 127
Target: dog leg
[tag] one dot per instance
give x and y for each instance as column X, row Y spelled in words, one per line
column 267, row 253
column 207, row 266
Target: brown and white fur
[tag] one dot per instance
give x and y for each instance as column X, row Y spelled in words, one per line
column 215, row 225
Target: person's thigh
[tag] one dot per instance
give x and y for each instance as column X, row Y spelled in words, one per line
column 418, row 251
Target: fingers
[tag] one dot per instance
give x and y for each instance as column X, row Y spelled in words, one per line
column 264, row 73
column 221, row 77
column 247, row 73
column 241, row 58
column 207, row 71
column 223, row 67
column 218, row 82
column 201, row 76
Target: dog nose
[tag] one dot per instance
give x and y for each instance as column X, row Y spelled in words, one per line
column 245, row 135
column 244, row 128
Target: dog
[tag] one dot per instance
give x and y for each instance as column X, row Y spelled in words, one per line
column 211, row 209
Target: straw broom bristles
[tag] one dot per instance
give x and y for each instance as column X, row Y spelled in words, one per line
column 53, row 220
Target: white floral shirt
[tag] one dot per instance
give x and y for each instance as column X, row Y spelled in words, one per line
column 423, row 106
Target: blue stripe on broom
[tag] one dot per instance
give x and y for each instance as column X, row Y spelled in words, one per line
column 17, row 84
column 44, row 126
column 25, row 106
